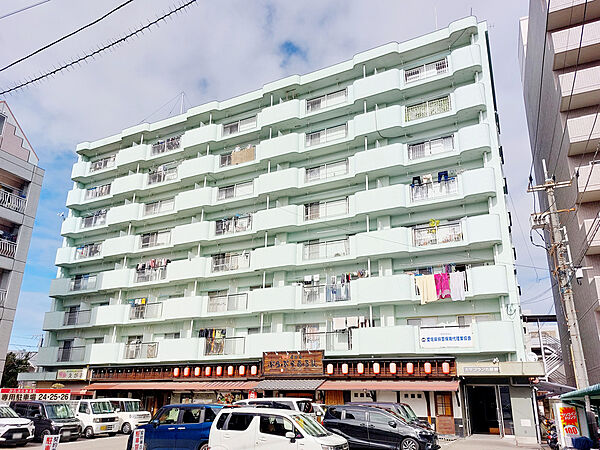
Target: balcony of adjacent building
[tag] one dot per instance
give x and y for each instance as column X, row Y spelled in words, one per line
column 588, row 183
column 11, row 197
column 583, row 129
column 564, row 13
column 580, row 88
column 567, row 49
column 8, row 239
column 593, row 237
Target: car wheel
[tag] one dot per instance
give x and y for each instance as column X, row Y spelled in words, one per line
column 203, row 446
column 409, row 444
column 126, row 428
column 88, row 433
column 43, row 434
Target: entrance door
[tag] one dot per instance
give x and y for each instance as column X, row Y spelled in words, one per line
column 444, row 415
column 483, row 410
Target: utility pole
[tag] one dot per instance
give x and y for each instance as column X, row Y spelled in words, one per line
column 563, row 272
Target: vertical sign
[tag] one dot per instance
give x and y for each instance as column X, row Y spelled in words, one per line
column 138, row 439
column 51, row 442
column 570, row 423
column 252, row 394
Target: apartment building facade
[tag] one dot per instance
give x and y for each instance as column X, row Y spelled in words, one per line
column 560, row 64
column 342, row 234
column 20, row 186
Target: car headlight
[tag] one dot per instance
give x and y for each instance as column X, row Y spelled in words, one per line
column 97, row 420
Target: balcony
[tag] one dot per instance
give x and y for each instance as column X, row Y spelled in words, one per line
column 71, row 354
column 566, row 45
column 150, row 274
column 326, row 171
column 227, row 303
column 145, row 311
column 326, row 101
column 239, row 155
column 434, row 190
column 426, row 71
column 594, row 248
column 427, row 109
column 97, row 192
column 162, row 176
column 97, row 219
column 224, row 346
column 7, row 248
column 226, row 262
column 582, row 138
column 101, row 164
column 82, row 283
column 12, row 201
column 77, row 317
column 235, row 191
column 167, row 145
column 563, row 13
column 588, row 183
column 325, row 250
column 141, row 350
column 330, row 341
column 240, row 126
column 325, row 293
column 88, row 251
column 324, row 210
column 162, row 206
column 586, row 91
column 437, row 234
column 233, row 225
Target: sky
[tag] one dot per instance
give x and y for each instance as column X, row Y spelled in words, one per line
column 213, row 51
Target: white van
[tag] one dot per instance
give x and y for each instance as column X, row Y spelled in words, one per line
column 304, row 405
column 130, row 413
column 248, row 428
column 97, row 417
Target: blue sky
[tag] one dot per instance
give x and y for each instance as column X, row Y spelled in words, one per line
column 217, row 50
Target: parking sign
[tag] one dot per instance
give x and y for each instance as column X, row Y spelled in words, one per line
column 138, row 440
column 51, row 442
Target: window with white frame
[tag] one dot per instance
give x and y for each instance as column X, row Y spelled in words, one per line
column 239, row 125
column 325, row 101
column 155, row 239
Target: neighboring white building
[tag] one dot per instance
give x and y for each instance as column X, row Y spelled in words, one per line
column 203, row 252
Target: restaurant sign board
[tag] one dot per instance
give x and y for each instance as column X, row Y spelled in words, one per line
column 302, row 363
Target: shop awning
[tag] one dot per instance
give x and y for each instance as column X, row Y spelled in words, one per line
column 175, row 386
column 580, row 394
column 289, row 385
column 388, row 385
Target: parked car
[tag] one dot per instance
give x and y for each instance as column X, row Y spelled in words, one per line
column 14, row 429
column 97, row 416
column 130, row 413
column 304, row 405
column 49, row 418
column 371, row 427
column 402, row 409
column 260, row 428
column 184, row 426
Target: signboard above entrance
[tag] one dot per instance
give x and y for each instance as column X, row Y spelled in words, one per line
column 293, row 363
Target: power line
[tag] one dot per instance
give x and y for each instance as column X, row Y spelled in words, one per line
column 100, row 50
column 47, row 46
column 25, row 8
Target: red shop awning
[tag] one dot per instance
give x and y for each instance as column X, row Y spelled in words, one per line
column 175, row 386
column 388, row 385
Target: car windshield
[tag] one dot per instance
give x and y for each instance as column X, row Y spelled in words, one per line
column 310, row 425
column 305, row 406
column 59, row 411
column 131, row 406
column 7, row 413
column 409, row 412
column 101, row 407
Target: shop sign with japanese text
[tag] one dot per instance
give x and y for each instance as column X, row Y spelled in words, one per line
column 293, row 363
column 444, row 337
column 71, row 374
column 23, row 394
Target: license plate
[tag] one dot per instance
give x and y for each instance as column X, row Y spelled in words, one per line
column 103, row 428
column 66, row 433
column 17, row 435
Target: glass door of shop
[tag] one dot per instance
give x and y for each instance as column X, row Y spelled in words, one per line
column 489, row 410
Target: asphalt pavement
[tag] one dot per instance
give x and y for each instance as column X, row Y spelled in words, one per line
column 118, row 442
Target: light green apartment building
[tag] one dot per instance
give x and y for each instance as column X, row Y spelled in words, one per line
column 358, row 210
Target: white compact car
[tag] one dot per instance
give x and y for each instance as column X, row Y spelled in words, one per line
column 304, row 405
column 97, row 417
column 247, row 428
column 130, row 413
column 14, row 429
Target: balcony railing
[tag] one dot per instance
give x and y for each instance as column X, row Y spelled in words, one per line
column 171, row 143
column 330, row 170
column 12, row 201
column 225, row 346
column 233, row 225
column 237, row 190
column 2, row 297
column 161, row 176
column 327, row 340
column 325, row 101
column 103, row 163
column 426, row 71
column 230, row 262
column 428, row 191
column 229, row 302
column 325, row 293
column 324, row 250
column 97, row 191
column 322, row 210
column 141, row 350
column 88, row 251
column 432, row 147
column 77, row 317
column 99, row 218
column 147, row 311
column 7, row 248
column 81, row 284
column 67, row 354
column 159, row 207
column 158, row 273
column 428, row 108
column 441, row 234
column 239, row 126
column 327, row 135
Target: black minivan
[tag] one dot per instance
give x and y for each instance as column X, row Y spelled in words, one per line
column 49, row 418
column 367, row 427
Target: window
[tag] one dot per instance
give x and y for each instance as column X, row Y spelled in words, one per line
column 413, row 322
column 173, row 335
column 428, row 108
column 239, row 126
column 324, row 101
column 99, row 340
column 155, row 239
column 378, row 417
column 239, row 421
column 222, row 420
column 33, row 410
column 103, row 163
column 168, row 416
column 84, row 408
column 191, row 415
column 158, row 207
column 210, row 414
column 275, row 425
column 355, row 414
column 334, row 413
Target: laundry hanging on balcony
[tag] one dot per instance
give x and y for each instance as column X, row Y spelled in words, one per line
column 154, row 263
column 442, row 285
column 457, row 285
column 427, row 289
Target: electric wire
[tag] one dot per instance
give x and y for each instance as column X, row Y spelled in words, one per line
column 47, row 46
